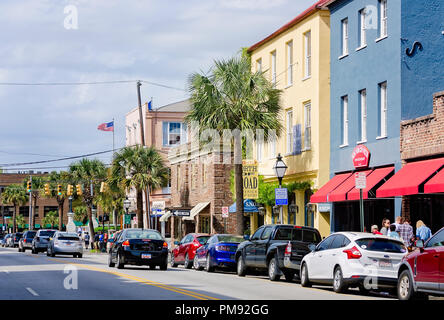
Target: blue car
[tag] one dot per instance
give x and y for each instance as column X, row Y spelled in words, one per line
column 218, row 252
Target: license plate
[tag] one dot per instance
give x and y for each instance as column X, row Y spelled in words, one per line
column 146, row 256
column 385, row 264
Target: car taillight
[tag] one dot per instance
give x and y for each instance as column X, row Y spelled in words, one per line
column 24, row 240
column 353, row 253
column 222, row 248
column 126, row 244
column 165, row 245
column 288, row 249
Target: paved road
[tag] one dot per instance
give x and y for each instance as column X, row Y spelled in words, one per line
column 28, row 276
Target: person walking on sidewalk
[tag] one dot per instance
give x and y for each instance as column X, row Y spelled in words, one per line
column 86, row 239
column 405, row 230
column 422, row 231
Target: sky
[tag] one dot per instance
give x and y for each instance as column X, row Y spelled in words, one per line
column 60, row 41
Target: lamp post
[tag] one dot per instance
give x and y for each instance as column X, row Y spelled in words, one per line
column 126, row 205
column 279, row 168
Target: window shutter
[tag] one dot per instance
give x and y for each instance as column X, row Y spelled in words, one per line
column 165, row 133
column 297, row 139
column 183, row 133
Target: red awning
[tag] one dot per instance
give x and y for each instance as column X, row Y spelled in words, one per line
column 322, row 194
column 436, row 184
column 407, row 180
column 340, row 193
column 372, row 180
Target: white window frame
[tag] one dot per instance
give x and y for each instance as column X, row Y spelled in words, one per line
column 363, row 99
column 363, row 34
column 344, row 101
column 307, row 129
column 307, row 54
column 383, row 19
column 183, row 133
column 345, row 37
column 289, row 122
column 289, row 63
column 383, row 110
column 273, row 68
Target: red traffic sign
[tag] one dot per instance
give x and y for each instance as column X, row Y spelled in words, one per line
column 224, row 212
column 361, row 157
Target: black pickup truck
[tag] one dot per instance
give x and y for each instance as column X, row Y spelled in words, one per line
column 278, row 248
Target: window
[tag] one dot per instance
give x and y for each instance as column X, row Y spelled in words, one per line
column 283, row 234
column 307, row 46
column 383, row 18
column 272, row 145
column 325, row 245
column 362, row 34
column 381, row 245
column 383, row 110
column 345, row 37
column 167, row 189
column 273, row 68
column 363, row 114
column 344, row 120
column 257, row 234
column 437, row 240
column 266, row 234
column 289, row 63
column 307, row 137
column 338, row 242
column 289, row 132
column 259, row 150
column 174, row 133
column 47, row 209
column 259, row 65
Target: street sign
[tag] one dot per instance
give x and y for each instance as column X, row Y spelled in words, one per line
column 250, row 179
column 127, row 219
column 360, row 180
column 158, row 205
column 281, row 196
column 182, row 213
column 361, row 156
column 224, row 212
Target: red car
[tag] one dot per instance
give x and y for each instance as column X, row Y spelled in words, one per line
column 185, row 250
column 422, row 271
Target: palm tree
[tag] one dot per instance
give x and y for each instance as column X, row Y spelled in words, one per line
column 51, row 218
column 37, row 186
column 20, row 220
column 232, row 97
column 16, row 195
column 140, row 168
column 89, row 174
column 111, row 200
column 80, row 213
column 54, row 179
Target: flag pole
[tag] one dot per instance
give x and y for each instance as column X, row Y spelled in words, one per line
column 114, row 128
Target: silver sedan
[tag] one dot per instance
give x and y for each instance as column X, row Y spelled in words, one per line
column 65, row 243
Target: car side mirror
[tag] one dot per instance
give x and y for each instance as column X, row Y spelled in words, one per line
column 312, row 247
column 246, row 237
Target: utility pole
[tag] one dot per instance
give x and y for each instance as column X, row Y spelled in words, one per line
column 31, row 225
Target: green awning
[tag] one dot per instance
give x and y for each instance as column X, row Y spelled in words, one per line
column 37, row 225
column 78, row 223
column 47, row 225
column 27, row 225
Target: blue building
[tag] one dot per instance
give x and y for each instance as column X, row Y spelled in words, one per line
column 386, row 63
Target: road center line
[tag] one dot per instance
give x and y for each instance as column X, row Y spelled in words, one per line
column 35, row 294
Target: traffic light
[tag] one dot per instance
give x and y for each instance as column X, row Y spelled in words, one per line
column 79, row 189
column 47, row 191
column 59, row 190
column 69, row 190
column 103, row 186
column 29, row 186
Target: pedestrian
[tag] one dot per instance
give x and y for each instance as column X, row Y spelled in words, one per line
column 404, row 229
column 86, row 238
column 422, row 231
column 385, row 226
column 101, row 242
column 96, row 240
column 375, row 230
column 392, row 233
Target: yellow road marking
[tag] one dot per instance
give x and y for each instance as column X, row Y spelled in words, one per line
column 145, row 281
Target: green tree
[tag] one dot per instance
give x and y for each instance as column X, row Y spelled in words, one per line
column 80, row 213
column 233, row 97
column 141, row 168
column 89, row 174
column 51, row 218
column 20, row 220
column 14, row 194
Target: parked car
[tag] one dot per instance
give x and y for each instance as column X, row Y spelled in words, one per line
column 185, row 250
column 218, row 252
column 267, row 247
column 422, row 271
column 4, row 241
column 16, row 238
column 65, row 243
column 26, row 241
column 354, row 259
column 139, row 247
column 41, row 240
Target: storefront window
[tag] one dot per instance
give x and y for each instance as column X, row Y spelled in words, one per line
column 429, row 209
column 204, row 224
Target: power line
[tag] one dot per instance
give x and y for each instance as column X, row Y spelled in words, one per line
column 31, row 154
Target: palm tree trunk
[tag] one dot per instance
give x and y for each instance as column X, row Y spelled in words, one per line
column 91, row 226
column 239, row 185
column 14, row 222
column 139, row 209
column 61, row 214
column 34, row 205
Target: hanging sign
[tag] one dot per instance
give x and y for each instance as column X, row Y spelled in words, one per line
column 361, row 157
column 250, row 179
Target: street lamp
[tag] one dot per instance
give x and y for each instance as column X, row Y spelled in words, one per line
column 126, row 205
column 279, row 168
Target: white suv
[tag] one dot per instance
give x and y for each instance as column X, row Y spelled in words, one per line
column 354, row 259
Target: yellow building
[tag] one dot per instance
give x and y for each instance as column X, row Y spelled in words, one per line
column 297, row 59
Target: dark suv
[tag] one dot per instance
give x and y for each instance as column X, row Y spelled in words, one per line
column 422, row 271
column 26, row 241
column 16, row 238
column 276, row 248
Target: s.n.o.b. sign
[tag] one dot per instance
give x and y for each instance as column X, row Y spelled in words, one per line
column 361, row 157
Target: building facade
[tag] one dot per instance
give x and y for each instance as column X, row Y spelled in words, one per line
column 383, row 53
column 296, row 58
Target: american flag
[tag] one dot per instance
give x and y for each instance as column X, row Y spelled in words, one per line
column 107, row 126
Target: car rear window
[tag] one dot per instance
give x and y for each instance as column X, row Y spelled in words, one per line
column 69, row 238
column 283, row 234
column 381, row 245
column 46, row 233
column 30, row 234
column 143, row 234
column 203, row 240
column 311, row 236
column 234, row 239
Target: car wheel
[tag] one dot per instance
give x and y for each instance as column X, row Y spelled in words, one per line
column 172, row 261
column 405, row 286
column 196, row 263
column 305, row 282
column 120, row 263
column 338, row 281
column 188, row 264
column 208, row 266
column 111, row 264
column 273, row 270
column 241, row 268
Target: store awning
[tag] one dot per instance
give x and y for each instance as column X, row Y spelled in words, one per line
column 37, row 225
column 408, row 180
column 436, row 184
column 165, row 216
column 195, row 211
column 322, row 194
column 373, row 179
column 340, row 193
column 78, row 223
column 249, row 207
